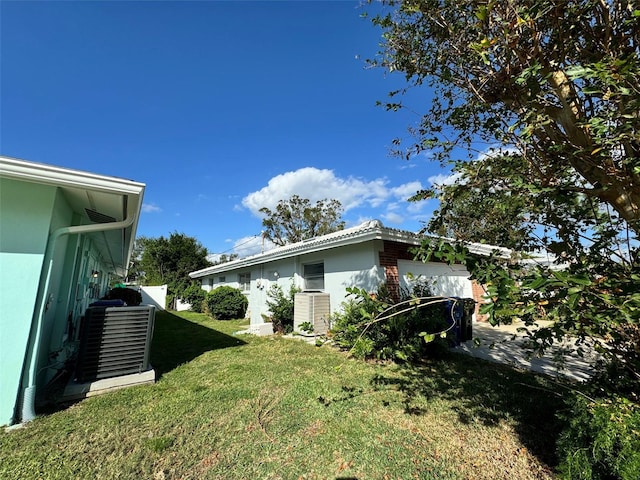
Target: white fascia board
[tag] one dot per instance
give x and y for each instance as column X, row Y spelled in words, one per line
column 311, row 246
column 52, row 175
column 135, row 210
column 363, row 233
column 483, row 249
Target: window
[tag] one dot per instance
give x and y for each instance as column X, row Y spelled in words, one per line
column 244, row 279
column 313, row 274
column 221, row 279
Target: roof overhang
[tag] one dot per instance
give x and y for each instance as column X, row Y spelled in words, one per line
column 368, row 231
column 94, row 199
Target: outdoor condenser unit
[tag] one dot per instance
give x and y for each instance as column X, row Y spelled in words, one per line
column 314, row 308
column 115, row 341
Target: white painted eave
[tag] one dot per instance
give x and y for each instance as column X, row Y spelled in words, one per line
column 373, row 230
column 65, row 177
column 114, row 188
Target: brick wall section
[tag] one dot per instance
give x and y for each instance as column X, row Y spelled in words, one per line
column 478, row 292
column 389, row 257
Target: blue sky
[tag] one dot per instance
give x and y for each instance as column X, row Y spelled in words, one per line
column 220, row 108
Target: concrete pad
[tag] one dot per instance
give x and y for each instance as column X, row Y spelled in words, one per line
column 260, row 329
column 74, row 391
column 503, row 344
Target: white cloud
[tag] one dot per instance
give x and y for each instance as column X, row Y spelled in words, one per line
column 415, row 208
column 360, row 220
column 444, row 179
column 406, row 190
column 316, row 184
column 497, row 151
column 366, row 199
column 252, row 245
column 451, row 178
column 393, row 218
column 407, row 166
column 214, row 257
column 150, row 208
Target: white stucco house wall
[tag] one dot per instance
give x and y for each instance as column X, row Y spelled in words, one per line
column 364, row 256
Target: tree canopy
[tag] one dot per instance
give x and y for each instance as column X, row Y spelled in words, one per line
column 224, row 258
column 296, row 219
column 557, row 80
column 169, row 260
column 554, row 87
column 473, row 209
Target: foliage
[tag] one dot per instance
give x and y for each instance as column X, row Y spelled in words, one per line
column 224, row 258
column 504, row 219
column 602, row 440
column 306, row 327
column 555, row 86
column 556, row 80
column 226, row 303
column 593, row 299
column 195, row 296
column 281, row 307
column 169, row 301
column 404, row 337
column 134, row 272
column 170, row 260
column 296, row 219
column 129, row 296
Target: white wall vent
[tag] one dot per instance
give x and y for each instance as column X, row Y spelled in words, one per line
column 314, row 308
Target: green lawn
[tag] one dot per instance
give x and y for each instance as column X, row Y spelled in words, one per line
column 244, row 407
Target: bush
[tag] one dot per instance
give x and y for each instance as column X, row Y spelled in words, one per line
column 602, row 440
column 169, row 302
column 195, row 295
column 406, row 337
column 281, row 308
column 226, row 303
column 131, row 297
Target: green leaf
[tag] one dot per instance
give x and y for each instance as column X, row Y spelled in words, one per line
column 579, row 279
column 579, row 71
column 429, row 338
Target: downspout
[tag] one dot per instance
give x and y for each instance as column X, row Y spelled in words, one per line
column 29, row 394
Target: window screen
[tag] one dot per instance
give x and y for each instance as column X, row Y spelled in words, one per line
column 314, row 276
column 244, row 279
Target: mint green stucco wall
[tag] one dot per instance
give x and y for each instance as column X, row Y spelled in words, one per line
column 54, row 318
column 25, row 217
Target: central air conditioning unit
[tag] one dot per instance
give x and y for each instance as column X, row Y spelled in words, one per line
column 312, row 308
column 115, row 341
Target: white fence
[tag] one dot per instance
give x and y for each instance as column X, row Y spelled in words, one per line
column 156, row 295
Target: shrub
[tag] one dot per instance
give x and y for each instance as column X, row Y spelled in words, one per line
column 602, row 440
column 195, row 295
column 281, row 307
column 406, row 336
column 129, row 296
column 226, row 303
column 169, row 302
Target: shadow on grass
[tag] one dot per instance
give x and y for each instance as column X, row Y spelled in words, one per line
column 177, row 341
column 484, row 392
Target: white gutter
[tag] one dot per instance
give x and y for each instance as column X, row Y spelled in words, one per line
column 363, row 233
column 29, row 395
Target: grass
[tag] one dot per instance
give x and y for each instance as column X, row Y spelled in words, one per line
column 244, row 407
